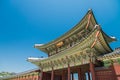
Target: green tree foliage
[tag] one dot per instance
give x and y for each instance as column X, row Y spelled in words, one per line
column 108, row 63
column 118, row 60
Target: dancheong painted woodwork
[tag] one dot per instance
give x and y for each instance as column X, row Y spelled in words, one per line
column 27, row 75
column 82, row 44
column 84, row 50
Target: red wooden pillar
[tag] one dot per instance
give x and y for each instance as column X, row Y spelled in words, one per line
column 33, row 76
column 63, row 75
column 113, row 72
column 69, row 74
column 52, row 74
column 40, row 76
column 22, row 77
column 25, row 77
column 79, row 74
column 92, row 70
column 28, row 77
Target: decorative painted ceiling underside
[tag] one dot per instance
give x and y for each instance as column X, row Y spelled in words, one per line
column 82, row 44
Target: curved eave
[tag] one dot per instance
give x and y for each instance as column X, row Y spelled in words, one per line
column 34, row 59
column 85, row 43
column 104, row 43
column 110, row 56
column 108, row 38
column 70, row 32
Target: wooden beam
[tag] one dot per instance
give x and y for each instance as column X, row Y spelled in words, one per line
column 40, row 77
column 113, row 72
column 79, row 74
column 52, row 74
column 63, row 75
column 89, row 16
column 92, row 70
column 69, row 73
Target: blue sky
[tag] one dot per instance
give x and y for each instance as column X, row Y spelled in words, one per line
column 26, row 22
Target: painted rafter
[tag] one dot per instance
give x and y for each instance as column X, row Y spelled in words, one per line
column 111, row 56
column 82, row 25
column 79, row 54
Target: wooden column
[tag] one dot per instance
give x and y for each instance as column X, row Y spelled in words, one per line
column 113, row 72
column 25, row 77
column 52, row 74
column 69, row 74
column 33, row 76
column 92, row 70
column 79, row 74
column 63, row 75
column 28, row 76
column 40, row 77
column 22, row 77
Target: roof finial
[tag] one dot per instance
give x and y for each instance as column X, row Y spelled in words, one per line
column 89, row 9
column 96, row 26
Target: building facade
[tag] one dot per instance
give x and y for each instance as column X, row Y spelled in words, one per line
column 27, row 75
column 83, row 53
